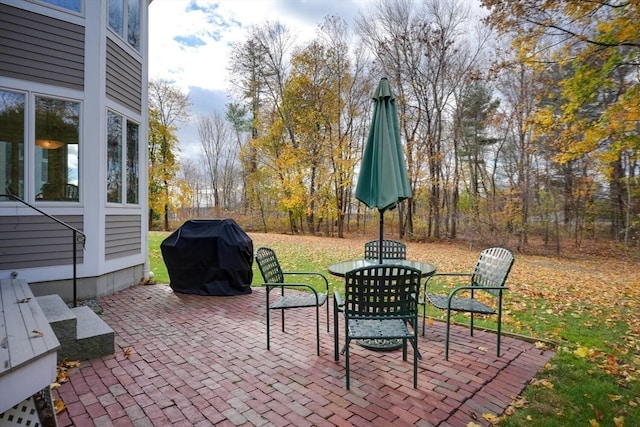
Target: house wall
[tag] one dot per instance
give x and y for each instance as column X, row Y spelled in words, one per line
column 50, row 52
column 40, row 48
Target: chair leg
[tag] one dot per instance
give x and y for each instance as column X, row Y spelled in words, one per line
column 336, row 337
column 282, row 311
column 318, row 330
column 328, row 313
column 415, row 361
column 346, row 363
column 268, row 325
column 499, row 331
column 446, row 340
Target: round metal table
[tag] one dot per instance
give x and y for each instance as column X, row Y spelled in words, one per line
column 340, row 269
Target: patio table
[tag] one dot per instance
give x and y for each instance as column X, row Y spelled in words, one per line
column 340, row 269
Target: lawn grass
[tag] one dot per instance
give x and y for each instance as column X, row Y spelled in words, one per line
column 589, row 314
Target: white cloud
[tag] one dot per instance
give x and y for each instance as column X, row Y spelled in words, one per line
column 190, row 43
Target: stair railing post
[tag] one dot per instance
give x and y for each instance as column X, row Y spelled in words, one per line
column 75, row 258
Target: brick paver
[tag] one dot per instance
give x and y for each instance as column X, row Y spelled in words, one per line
column 202, row 360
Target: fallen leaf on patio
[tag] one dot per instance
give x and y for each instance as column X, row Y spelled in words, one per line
column 127, row 352
column 23, row 300
column 614, row 397
column 430, row 321
column 54, row 386
column 541, row 345
column 472, row 424
column 71, row 363
column 37, row 333
column 618, row 421
column 58, row 406
column 62, row 376
column 483, row 348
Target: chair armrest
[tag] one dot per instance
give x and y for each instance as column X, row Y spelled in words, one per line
column 309, row 273
column 476, row 288
column 337, row 298
column 290, row 285
column 426, row 282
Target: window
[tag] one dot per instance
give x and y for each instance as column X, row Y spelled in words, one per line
column 56, row 156
column 119, row 179
column 132, row 162
column 12, row 121
column 124, row 18
column 72, row 5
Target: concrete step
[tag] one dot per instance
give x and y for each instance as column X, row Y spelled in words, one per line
column 60, row 317
column 82, row 333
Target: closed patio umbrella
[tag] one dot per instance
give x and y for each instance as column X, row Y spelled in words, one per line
column 383, row 181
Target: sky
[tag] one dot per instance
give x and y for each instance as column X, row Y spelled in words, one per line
column 190, row 40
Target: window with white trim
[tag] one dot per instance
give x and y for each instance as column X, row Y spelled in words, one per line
column 122, row 159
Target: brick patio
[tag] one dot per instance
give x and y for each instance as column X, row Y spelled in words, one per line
column 202, row 361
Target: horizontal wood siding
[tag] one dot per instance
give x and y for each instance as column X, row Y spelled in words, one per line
column 124, row 77
column 123, row 236
column 37, row 241
column 41, row 49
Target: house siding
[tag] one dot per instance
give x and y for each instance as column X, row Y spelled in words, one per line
column 41, row 49
column 123, row 236
column 36, row 241
column 123, row 77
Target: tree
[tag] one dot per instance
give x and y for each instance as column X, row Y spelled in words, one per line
column 598, row 43
column 168, row 106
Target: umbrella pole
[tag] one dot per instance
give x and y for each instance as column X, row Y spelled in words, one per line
column 381, row 237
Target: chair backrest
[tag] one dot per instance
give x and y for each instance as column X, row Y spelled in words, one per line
column 269, row 266
column 492, row 268
column 391, row 249
column 72, row 192
column 381, row 291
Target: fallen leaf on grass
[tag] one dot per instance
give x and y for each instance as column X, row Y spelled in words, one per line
column 581, row 352
column 492, row 418
column 614, row 397
column 593, row 423
column 618, row 421
column 543, row 383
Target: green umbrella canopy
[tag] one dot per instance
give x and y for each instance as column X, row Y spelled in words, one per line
column 383, row 181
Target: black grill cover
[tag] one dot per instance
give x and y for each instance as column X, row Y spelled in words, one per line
column 209, row 257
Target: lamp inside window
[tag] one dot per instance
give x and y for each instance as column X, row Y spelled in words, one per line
column 48, row 126
column 49, row 144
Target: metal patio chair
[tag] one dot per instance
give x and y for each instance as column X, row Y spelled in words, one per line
column 391, row 249
column 488, row 278
column 291, row 295
column 379, row 303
